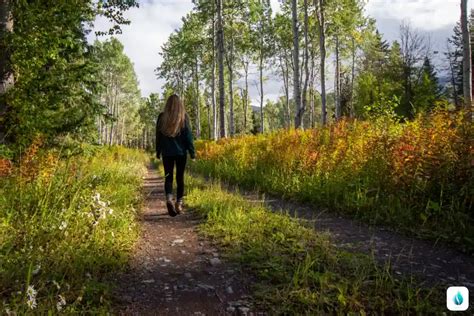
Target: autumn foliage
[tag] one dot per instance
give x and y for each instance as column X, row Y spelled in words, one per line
column 417, row 175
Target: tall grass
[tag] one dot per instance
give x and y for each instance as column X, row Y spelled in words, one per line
column 66, row 224
column 299, row 271
column 416, row 176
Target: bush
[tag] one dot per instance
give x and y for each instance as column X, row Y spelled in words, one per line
column 416, row 176
column 65, row 225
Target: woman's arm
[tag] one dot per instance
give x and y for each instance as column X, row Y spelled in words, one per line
column 189, row 138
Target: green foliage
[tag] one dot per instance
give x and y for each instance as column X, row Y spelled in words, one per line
column 299, row 271
column 66, row 225
column 56, row 89
column 118, row 120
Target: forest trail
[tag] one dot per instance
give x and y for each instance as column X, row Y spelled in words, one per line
column 173, row 271
column 432, row 263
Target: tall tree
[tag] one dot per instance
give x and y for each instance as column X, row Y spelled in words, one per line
column 320, row 17
column 467, row 62
column 220, row 61
column 296, row 64
column 304, row 103
column 414, row 49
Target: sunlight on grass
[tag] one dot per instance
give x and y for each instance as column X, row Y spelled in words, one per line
column 299, row 270
column 416, row 176
column 65, row 225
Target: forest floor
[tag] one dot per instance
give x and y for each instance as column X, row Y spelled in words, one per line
column 431, row 262
column 174, row 270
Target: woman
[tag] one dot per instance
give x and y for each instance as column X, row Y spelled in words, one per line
column 173, row 140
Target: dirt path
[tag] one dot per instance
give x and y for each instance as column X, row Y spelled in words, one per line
column 173, row 271
column 430, row 262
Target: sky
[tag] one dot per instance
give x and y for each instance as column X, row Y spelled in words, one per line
column 155, row 20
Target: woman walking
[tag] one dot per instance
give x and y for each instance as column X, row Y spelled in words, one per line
column 174, row 140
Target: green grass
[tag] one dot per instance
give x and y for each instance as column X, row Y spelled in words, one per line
column 299, row 270
column 67, row 229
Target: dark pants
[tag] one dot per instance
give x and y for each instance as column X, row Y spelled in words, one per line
column 168, row 164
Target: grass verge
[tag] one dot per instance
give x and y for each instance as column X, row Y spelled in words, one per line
column 299, row 270
column 66, row 224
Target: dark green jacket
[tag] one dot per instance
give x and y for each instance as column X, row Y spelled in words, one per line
column 175, row 146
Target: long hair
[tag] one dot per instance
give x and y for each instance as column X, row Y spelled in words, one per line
column 173, row 117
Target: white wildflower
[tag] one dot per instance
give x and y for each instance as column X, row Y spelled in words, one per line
column 63, row 225
column 56, row 284
column 37, row 269
column 61, row 302
column 111, row 211
column 31, row 293
column 96, row 197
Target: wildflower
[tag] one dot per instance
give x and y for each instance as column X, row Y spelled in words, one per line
column 111, row 211
column 96, row 197
column 37, row 269
column 63, row 225
column 31, row 293
column 56, row 284
column 61, row 302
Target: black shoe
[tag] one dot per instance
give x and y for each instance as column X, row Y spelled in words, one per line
column 171, row 209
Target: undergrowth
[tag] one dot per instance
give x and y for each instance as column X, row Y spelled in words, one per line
column 66, row 225
column 299, row 271
column 417, row 176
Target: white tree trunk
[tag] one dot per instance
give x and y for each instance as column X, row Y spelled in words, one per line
column 296, row 57
column 467, row 63
column 322, row 46
column 220, row 60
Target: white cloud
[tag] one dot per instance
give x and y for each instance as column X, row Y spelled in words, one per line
column 427, row 15
column 151, row 24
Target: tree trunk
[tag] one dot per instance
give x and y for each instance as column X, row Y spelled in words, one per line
column 246, row 96
column 262, row 126
column 352, row 110
column 312, row 91
column 337, row 83
column 196, row 101
column 322, row 47
column 296, row 74
column 306, row 69
column 209, row 121
column 231, row 103
column 453, row 77
column 213, row 83
column 286, row 87
column 467, row 62
column 220, row 58
column 6, row 74
column 230, row 67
